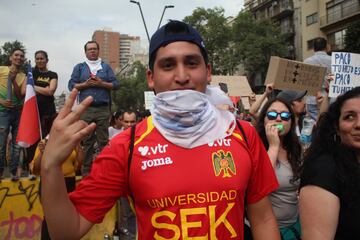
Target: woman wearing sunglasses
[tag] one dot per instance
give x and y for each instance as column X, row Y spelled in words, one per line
column 276, row 127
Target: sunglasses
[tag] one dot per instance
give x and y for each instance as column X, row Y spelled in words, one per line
column 272, row 115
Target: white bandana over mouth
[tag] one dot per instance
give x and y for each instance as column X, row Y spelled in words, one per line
column 94, row 66
column 189, row 118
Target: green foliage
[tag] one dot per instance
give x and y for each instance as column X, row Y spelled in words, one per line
column 216, row 33
column 248, row 41
column 255, row 41
column 6, row 50
column 130, row 96
column 352, row 37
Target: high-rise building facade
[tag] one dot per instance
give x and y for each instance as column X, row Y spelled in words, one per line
column 109, row 42
column 119, row 50
column 129, row 47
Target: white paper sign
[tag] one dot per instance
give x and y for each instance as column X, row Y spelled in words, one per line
column 346, row 69
column 149, row 96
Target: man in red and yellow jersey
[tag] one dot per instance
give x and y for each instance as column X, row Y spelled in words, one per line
column 192, row 171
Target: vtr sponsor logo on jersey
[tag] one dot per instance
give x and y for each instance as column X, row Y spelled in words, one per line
column 223, row 163
column 220, row 143
column 147, row 151
column 150, row 151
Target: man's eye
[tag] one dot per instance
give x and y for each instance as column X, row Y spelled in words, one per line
column 193, row 63
column 167, row 65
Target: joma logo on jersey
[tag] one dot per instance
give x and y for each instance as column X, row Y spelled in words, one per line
column 223, row 163
column 155, row 163
column 146, row 150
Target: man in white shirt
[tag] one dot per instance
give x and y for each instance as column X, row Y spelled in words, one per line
column 320, row 58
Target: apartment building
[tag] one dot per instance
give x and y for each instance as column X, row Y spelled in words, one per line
column 305, row 20
column 119, row 50
column 282, row 12
column 328, row 19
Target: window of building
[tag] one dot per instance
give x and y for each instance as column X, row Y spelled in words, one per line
column 286, row 4
column 311, row 19
column 310, row 44
column 333, row 11
column 286, row 25
column 337, row 40
column 338, row 9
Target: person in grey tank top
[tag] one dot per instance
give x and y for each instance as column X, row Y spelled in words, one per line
column 276, row 127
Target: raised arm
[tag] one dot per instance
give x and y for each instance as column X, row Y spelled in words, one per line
column 319, row 213
column 254, row 109
column 323, row 101
column 64, row 222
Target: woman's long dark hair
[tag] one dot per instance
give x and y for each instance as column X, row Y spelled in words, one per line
column 326, row 141
column 290, row 142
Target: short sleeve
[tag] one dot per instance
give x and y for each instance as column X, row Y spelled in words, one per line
column 321, row 172
column 97, row 193
column 262, row 179
column 54, row 75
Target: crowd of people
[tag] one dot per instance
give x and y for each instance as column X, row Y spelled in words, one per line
column 94, row 78
column 194, row 168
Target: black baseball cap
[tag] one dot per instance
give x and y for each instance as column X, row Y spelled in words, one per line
column 291, row 95
column 175, row 31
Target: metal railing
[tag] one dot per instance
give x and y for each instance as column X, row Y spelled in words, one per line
column 344, row 12
column 282, row 7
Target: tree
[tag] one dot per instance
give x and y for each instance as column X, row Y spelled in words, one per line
column 216, row 33
column 255, row 41
column 6, row 50
column 130, row 96
column 352, row 36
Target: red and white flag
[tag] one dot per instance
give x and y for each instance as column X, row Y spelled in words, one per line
column 29, row 126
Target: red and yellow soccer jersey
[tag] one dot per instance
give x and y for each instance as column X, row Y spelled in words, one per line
column 179, row 193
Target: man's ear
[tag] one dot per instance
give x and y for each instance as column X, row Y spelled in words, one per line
column 208, row 74
column 150, row 78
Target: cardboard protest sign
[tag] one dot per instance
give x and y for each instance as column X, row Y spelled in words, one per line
column 148, row 97
column 289, row 74
column 346, row 70
column 236, row 85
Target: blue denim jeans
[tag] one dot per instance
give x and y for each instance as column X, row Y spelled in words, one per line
column 9, row 121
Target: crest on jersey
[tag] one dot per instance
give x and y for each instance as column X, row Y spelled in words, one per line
column 223, row 164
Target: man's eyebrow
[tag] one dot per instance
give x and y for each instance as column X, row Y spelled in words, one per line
column 193, row 56
column 188, row 56
column 164, row 59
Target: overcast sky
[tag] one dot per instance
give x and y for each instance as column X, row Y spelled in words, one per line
column 62, row 27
